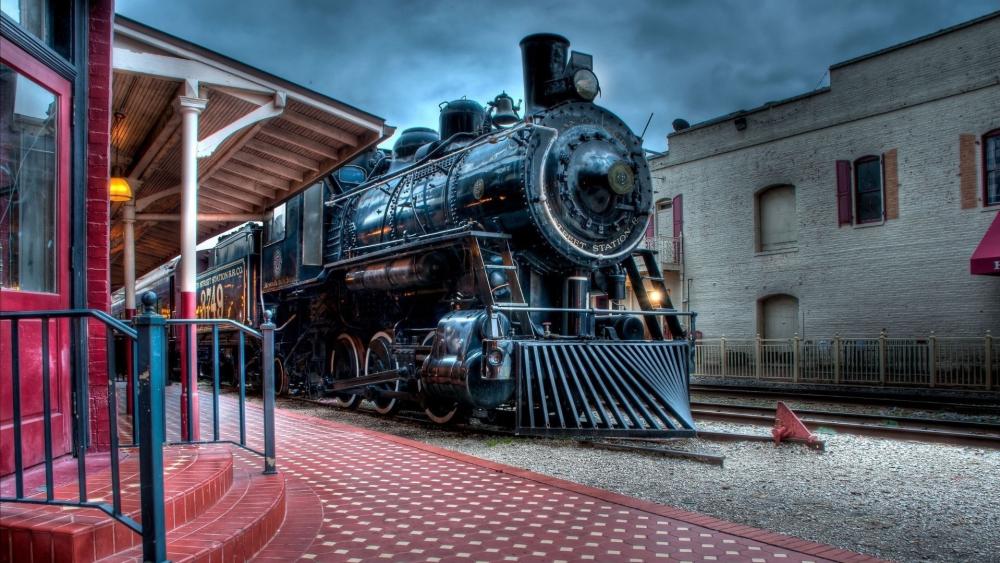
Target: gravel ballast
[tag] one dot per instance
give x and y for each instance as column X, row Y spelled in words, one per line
column 905, row 501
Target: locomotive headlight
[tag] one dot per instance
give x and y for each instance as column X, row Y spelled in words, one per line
column 586, row 85
column 495, row 357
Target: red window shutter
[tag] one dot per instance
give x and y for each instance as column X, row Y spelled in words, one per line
column 651, row 227
column 678, row 215
column 845, row 215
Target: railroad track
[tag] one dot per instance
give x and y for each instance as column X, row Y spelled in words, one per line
column 978, row 434
column 968, row 433
column 964, row 406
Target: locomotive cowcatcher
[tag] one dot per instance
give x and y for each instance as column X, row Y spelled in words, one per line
column 481, row 270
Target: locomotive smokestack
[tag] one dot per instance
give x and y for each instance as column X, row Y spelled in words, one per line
column 543, row 56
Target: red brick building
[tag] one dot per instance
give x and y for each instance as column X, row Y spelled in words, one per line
column 55, row 96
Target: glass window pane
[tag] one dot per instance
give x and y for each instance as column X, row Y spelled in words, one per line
column 992, row 151
column 276, row 224
column 312, row 225
column 868, row 189
column 993, row 187
column 869, row 176
column 27, row 183
column 49, row 21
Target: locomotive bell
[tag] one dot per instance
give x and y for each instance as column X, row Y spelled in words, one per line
column 504, row 112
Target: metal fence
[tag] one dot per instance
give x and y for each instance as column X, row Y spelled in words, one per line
column 669, row 249
column 935, row 361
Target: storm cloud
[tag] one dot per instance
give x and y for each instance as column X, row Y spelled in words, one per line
column 678, row 58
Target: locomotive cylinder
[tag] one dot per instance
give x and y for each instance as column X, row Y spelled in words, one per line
column 402, row 273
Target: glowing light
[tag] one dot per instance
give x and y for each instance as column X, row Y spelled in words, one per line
column 119, row 190
column 655, row 297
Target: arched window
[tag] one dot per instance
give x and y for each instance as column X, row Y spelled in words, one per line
column 991, row 167
column 779, row 316
column 777, row 220
column 868, row 189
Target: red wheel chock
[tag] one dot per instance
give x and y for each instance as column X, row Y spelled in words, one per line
column 788, row 426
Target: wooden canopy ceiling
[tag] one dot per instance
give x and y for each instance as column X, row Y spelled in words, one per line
column 261, row 138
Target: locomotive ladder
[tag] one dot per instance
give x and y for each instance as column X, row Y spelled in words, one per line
column 493, row 255
column 655, row 276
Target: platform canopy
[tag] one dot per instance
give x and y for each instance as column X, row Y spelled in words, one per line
column 260, row 139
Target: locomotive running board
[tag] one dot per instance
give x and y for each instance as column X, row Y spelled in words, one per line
column 637, row 389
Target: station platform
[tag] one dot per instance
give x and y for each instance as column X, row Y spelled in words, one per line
column 350, row 494
column 358, row 495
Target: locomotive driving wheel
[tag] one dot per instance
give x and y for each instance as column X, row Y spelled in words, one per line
column 345, row 363
column 442, row 413
column 380, row 358
column 280, row 379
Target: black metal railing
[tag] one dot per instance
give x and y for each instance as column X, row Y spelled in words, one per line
column 148, row 337
column 266, row 337
column 79, row 405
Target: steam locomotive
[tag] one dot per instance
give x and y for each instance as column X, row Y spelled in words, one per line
column 481, row 270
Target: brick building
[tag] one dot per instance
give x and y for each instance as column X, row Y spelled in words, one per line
column 849, row 209
column 55, row 100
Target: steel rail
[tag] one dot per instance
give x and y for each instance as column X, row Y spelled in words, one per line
column 882, row 419
column 895, row 433
column 701, row 457
column 972, row 406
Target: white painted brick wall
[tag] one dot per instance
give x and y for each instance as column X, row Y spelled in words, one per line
column 909, row 275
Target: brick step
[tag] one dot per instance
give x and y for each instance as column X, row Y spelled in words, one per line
column 235, row 528
column 302, row 525
column 195, row 478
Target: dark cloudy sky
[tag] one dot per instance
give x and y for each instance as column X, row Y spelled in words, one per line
column 674, row 58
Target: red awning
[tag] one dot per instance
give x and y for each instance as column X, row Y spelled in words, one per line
column 986, row 259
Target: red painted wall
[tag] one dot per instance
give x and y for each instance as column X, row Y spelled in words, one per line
column 98, row 208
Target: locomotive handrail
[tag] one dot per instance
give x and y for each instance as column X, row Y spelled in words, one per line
column 657, row 312
column 73, row 314
column 235, row 324
column 492, row 138
column 416, row 243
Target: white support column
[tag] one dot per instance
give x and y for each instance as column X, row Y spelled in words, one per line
column 129, row 275
column 129, row 260
column 190, row 108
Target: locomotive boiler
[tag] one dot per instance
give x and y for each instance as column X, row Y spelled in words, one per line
column 483, row 269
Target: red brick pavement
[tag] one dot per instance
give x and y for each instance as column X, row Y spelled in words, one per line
column 360, row 495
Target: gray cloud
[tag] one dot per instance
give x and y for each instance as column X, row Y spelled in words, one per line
column 678, row 58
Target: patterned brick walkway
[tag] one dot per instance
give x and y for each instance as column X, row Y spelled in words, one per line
column 359, row 495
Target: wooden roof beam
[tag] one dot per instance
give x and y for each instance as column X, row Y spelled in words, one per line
column 233, row 182
column 272, row 167
column 301, row 142
column 256, row 176
column 320, row 128
column 229, row 195
column 284, row 154
column 231, row 205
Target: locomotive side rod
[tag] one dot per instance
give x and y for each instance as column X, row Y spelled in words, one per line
column 388, row 376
